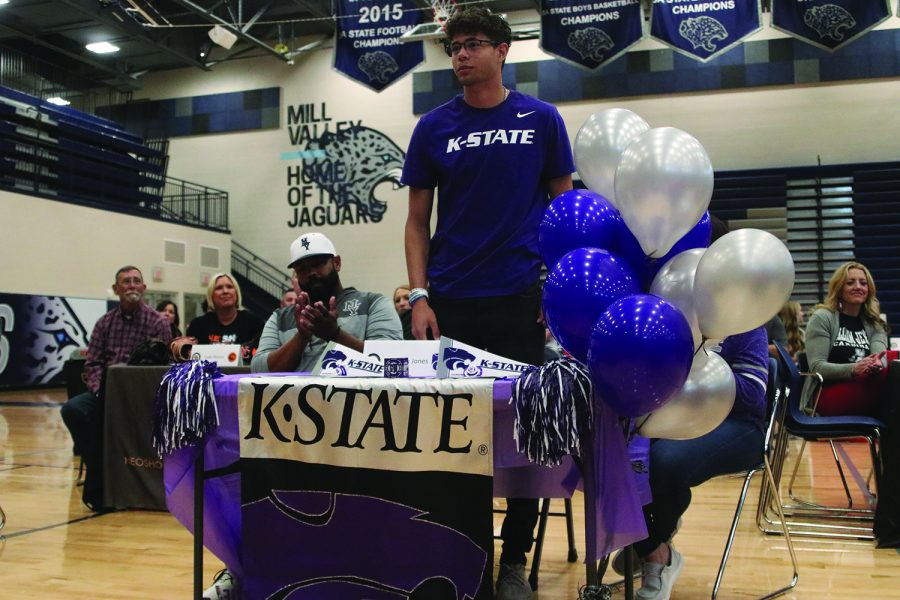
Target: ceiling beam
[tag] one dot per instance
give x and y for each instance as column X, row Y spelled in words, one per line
column 122, row 77
column 215, row 19
column 186, row 54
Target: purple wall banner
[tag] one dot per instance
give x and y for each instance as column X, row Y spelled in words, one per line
column 367, row 44
column 39, row 333
column 703, row 29
column 588, row 33
column 828, row 24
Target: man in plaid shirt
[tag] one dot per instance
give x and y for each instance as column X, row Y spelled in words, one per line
column 114, row 337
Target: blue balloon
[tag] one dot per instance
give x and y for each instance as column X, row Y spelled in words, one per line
column 644, row 267
column 640, row 354
column 578, row 219
column 578, row 289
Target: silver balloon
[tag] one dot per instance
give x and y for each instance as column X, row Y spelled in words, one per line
column 664, row 182
column 742, row 280
column 675, row 282
column 702, row 404
column 599, row 144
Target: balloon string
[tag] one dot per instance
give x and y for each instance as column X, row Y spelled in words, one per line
column 703, row 341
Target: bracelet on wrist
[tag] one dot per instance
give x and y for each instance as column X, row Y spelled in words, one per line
column 417, row 294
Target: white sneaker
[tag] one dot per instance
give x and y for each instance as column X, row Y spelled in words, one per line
column 618, row 561
column 224, row 587
column 659, row 578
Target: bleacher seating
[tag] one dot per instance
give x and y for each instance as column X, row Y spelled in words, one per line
column 61, row 152
column 827, row 214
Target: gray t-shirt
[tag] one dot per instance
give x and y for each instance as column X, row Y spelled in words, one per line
column 364, row 315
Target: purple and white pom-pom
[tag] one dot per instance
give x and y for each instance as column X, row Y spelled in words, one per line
column 185, row 405
column 554, row 410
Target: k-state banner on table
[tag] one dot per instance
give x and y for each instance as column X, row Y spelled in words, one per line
column 590, row 33
column 377, row 488
column 828, row 24
column 368, row 47
column 703, row 29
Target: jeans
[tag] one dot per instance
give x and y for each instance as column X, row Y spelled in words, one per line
column 507, row 326
column 83, row 415
column 678, row 465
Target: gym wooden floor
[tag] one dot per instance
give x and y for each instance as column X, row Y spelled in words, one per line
column 53, row 547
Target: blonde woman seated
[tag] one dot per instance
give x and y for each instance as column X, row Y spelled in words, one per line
column 225, row 323
column 846, row 343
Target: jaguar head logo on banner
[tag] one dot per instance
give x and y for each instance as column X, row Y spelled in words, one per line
column 589, row 34
column 378, row 65
column 701, row 29
column 828, row 24
column 367, row 41
column 703, row 32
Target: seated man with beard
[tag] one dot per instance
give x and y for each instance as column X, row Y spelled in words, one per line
column 295, row 337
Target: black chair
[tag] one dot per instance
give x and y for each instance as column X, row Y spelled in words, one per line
column 775, row 415
column 815, row 520
column 542, row 530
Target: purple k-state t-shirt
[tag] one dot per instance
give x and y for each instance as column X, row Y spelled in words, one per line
column 490, row 167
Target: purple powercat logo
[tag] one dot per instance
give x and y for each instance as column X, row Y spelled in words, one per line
column 333, row 362
column 338, row 570
column 461, row 362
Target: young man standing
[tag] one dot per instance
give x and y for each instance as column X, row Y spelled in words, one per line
column 496, row 158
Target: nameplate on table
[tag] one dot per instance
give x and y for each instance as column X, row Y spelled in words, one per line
column 422, row 354
column 225, row 355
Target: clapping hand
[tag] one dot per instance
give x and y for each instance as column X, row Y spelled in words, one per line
column 316, row 319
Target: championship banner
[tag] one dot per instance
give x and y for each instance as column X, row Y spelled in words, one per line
column 456, row 359
column 39, row 333
column 828, row 24
column 703, row 29
column 374, row 488
column 588, row 33
column 367, row 44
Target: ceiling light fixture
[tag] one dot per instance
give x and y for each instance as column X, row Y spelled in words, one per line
column 222, row 37
column 102, row 48
column 55, row 99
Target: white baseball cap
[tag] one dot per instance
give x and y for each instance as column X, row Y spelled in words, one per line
column 310, row 244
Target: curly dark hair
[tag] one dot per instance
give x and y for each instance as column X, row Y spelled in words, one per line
column 477, row 19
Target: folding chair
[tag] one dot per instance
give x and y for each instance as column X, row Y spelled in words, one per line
column 810, row 519
column 803, row 366
column 774, row 397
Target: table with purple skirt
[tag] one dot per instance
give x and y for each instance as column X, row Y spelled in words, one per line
column 614, row 505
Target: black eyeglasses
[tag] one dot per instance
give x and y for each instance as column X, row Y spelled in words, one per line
column 471, row 45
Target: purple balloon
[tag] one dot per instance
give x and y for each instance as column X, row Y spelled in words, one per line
column 640, row 354
column 646, row 268
column 578, row 219
column 578, row 289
